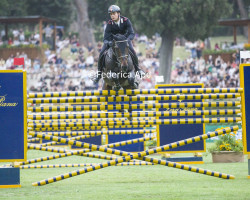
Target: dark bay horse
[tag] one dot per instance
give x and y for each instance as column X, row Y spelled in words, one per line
column 119, row 71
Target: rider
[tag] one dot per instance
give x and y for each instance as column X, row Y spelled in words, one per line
column 117, row 25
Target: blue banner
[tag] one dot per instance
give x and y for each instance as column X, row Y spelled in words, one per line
column 13, row 131
column 245, row 83
column 172, row 133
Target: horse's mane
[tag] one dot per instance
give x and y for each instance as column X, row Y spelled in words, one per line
column 119, row 37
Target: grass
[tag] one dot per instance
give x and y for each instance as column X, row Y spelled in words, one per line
column 131, row 182
column 228, row 39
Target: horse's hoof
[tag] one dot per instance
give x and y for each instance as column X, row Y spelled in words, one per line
column 95, row 80
column 141, row 73
column 136, row 85
column 117, row 87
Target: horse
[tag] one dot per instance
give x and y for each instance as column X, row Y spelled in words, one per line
column 119, row 71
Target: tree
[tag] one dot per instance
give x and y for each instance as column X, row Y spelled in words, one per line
column 243, row 14
column 192, row 19
column 12, row 8
column 60, row 10
column 85, row 30
column 98, row 10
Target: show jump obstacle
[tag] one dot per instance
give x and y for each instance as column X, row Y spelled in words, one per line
column 116, row 123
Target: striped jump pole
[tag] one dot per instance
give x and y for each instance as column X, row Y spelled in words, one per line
column 48, row 144
column 34, row 140
column 133, row 106
column 80, row 128
column 135, row 114
column 91, row 155
column 78, row 120
column 97, row 133
column 52, row 157
column 89, row 120
column 54, row 143
column 139, row 122
column 133, row 98
column 136, row 92
column 136, row 156
column 81, row 165
column 72, row 138
column 80, row 137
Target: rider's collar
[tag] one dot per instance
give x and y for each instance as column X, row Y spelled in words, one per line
column 119, row 21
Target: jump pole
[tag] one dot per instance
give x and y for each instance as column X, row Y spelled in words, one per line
column 136, row 92
column 72, row 138
column 76, row 152
column 87, row 128
column 134, row 98
column 82, row 165
column 134, row 114
column 138, row 155
column 91, row 155
column 97, row 133
column 138, row 122
column 133, row 106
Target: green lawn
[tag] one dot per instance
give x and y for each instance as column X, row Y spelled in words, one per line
column 229, row 39
column 131, row 182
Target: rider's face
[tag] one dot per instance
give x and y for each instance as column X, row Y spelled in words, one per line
column 114, row 16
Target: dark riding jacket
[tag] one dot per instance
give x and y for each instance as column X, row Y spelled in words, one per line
column 124, row 29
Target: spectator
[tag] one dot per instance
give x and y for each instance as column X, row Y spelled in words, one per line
column 48, row 31
column 60, row 33
column 47, row 53
column 90, row 48
column 199, row 49
column 216, row 47
column 10, row 41
column 37, row 38
column 90, row 60
column 21, row 36
column 15, row 33
column 2, row 64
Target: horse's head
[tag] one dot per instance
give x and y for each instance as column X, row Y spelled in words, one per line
column 120, row 48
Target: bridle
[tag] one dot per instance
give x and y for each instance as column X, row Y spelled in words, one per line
column 117, row 57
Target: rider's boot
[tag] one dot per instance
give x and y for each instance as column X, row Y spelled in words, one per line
column 99, row 71
column 136, row 65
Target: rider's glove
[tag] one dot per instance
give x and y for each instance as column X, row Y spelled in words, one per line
column 110, row 43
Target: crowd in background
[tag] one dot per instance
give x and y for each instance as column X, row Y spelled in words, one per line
column 18, row 37
column 70, row 67
column 214, row 73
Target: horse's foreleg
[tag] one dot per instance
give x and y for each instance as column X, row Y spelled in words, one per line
column 105, row 86
column 131, row 80
column 115, row 79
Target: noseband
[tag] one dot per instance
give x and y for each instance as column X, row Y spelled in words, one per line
column 120, row 56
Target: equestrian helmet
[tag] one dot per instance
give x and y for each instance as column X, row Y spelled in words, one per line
column 114, row 8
